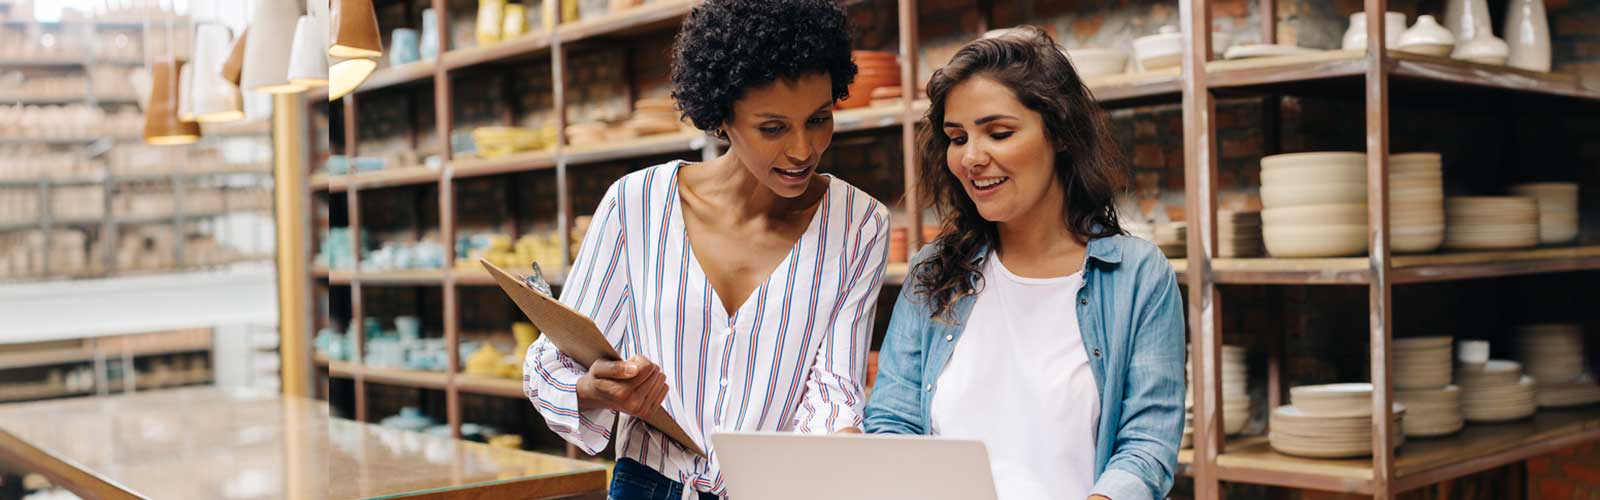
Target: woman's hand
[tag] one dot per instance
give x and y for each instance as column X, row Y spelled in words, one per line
column 635, row 386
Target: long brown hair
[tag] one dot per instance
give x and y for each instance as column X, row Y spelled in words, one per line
column 1088, row 164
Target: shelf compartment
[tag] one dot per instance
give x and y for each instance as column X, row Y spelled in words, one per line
column 1419, row 462
column 526, row 161
column 405, row 378
column 399, row 75
column 393, row 177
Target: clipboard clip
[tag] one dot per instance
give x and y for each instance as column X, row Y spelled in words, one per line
column 536, row 281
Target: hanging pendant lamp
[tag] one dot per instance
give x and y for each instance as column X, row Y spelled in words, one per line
column 266, row 64
column 162, row 126
column 344, row 76
column 213, row 99
column 354, row 30
column 233, row 67
column 308, row 62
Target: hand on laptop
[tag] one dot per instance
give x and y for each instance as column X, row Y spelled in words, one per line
column 848, row 430
column 635, row 386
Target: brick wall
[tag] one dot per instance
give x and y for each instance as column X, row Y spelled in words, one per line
column 1568, row 474
column 1575, row 38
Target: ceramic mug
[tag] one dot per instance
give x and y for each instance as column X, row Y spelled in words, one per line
column 404, row 47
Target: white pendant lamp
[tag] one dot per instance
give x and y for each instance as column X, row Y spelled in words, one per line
column 344, row 76
column 214, row 99
column 266, row 62
column 308, row 62
column 186, row 93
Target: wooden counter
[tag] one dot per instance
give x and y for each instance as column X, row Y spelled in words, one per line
column 208, row 443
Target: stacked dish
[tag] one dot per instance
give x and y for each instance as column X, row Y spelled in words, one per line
column 1235, row 395
column 1552, row 353
column 1315, row 204
column 654, row 116
column 1238, row 234
column 1490, row 222
column 1422, row 362
column 1558, row 209
column 874, row 69
column 1173, row 239
column 1431, row 412
column 1497, row 391
column 1329, row 421
column 1416, row 202
column 1582, row 391
column 1096, row 62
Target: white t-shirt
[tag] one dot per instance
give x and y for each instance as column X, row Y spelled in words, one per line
column 1019, row 380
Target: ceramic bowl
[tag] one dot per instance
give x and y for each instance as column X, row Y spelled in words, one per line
column 1096, row 62
column 1315, row 241
column 1297, row 195
column 1315, row 215
column 1314, row 175
column 1314, row 158
column 1161, row 50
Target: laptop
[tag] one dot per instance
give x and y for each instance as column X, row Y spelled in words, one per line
column 790, row 466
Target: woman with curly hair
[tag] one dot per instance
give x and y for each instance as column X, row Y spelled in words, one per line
column 741, row 290
column 1033, row 324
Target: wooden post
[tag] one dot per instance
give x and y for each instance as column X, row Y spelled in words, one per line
column 1200, row 174
column 1380, row 291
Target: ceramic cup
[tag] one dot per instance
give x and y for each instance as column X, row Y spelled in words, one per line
column 409, row 327
column 404, row 47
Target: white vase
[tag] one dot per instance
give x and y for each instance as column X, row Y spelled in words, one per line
column 1355, row 38
column 1467, row 19
column 1527, row 31
column 1427, row 37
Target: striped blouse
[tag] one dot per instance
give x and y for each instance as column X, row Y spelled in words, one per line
column 792, row 357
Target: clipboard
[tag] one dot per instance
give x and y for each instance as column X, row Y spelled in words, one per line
column 577, row 337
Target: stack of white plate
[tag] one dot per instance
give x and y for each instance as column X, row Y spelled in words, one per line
column 1315, row 204
column 1416, row 202
column 1239, row 234
column 1431, row 412
column 1329, row 421
column 1490, row 222
column 1558, row 209
column 1552, row 353
column 1422, row 362
column 1583, row 391
column 1495, row 392
column 1235, row 394
column 1173, row 239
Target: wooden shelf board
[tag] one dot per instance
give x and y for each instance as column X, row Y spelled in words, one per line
column 398, row 75
column 319, row 272
column 405, row 378
column 627, row 21
column 402, row 277
column 525, row 45
column 1186, row 455
column 1419, row 462
column 525, row 161
column 489, row 386
column 343, row 369
column 341, row 277
column 1423, row 268
column 393, row 177
column 640, row 147
column 47, row 357
column 319, row 360
column 869, row 118
column 51, row 394
column 1129, row 89
column 1430, row 71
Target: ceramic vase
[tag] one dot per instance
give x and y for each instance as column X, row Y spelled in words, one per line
column 1527, row 32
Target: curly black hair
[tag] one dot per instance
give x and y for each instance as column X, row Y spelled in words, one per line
column 728, row 46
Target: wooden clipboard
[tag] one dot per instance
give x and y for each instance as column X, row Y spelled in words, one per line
column 577, row 337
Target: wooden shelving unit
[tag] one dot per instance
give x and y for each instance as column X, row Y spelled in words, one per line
column 1374, row 77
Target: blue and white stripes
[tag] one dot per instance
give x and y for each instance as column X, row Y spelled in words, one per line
column 790, row 358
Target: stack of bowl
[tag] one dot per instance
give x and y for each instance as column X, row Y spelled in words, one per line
column 1495, row 391
column 1173, row 239
column 1579, row 392
column 1235, row 394
column 1239, row 234
column 1315, row 204
column 587, row 134
column 1490, row 222
column 1552, row 353
column 1096, row 62
column 1329, row 421
column 1416, row 202
column 654, row 116
column 874, row 69
column 1558, row 209
column 1422, row 383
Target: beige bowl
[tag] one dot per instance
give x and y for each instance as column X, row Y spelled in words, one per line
column 1297, row 195
column 1315, row 215
column 1316, row 241
column 1314, row 159
column 1314, row 175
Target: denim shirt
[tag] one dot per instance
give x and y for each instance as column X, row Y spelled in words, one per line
column 1131, row 318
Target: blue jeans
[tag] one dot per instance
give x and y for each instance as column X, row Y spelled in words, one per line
column 632, row 480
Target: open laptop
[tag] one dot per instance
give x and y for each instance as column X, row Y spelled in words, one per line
column 789, row 466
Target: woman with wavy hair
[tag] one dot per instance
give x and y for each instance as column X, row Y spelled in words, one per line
column 1033, row 323
column 741, row 289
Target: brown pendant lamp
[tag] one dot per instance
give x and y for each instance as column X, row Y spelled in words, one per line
column 161, row 124
column 355, row 32
column 233, row 66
